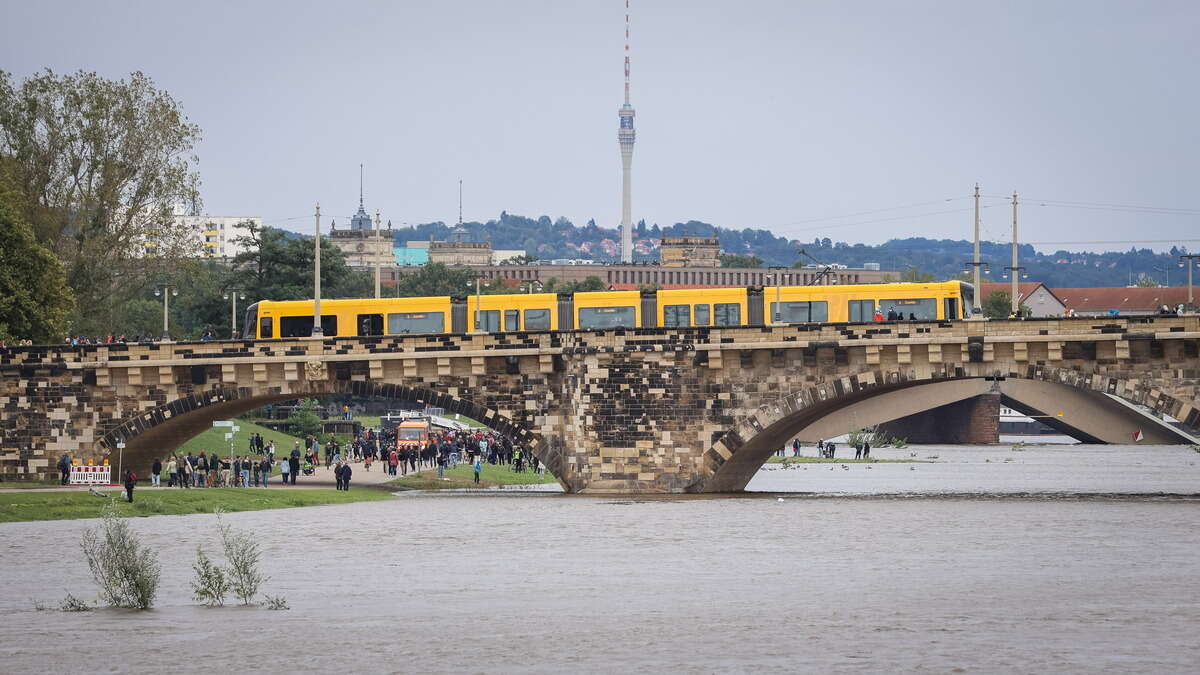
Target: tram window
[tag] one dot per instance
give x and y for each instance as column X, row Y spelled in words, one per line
column 301, row 326
column 727, row 314
column 802, row 312
column 606, row 317
column 921, row 309
column 676, row 315
column 701, row 315
column 512, row 319
column 266, row 329
column 370, row 324
column 862, row 310
column 416, row 322
column 488, row 320
column 537, row 319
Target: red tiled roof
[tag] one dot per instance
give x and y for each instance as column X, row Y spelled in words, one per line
column 1131, row 298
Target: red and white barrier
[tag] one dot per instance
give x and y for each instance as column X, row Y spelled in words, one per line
column 91, row 475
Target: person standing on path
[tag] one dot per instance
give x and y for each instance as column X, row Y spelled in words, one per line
column 294, row 465
column 172, row 466
column 866, row 450
column 64, row 469
column 346, row 471
column 478, row 467
column 130, row 482
column 285, row 469
column 155, row 472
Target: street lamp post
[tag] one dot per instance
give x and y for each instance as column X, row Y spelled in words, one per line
column 1189, row 260
column 166, row 291
column 232, row 294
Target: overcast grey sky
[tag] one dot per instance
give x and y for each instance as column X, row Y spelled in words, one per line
column 752, row 113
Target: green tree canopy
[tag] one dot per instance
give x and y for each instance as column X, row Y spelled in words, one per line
column 740, row 261
column 436, row 279
column 100, row 166
column 278, row 265
column 998, row 305
column 34, row 297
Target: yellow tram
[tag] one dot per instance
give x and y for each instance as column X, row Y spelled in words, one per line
column 598, row 310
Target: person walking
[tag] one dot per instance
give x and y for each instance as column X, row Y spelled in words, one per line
column 478, row 467
column 858, row 450
column 795, row 447
column 130, row 482
column 155, row 471
column 64, row 469
column 294, row 465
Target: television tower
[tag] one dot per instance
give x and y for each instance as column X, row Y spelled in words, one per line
column 625, row 136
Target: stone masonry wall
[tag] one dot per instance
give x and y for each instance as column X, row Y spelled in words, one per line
column 646, row 410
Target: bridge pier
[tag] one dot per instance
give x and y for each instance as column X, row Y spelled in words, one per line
column 974, row 421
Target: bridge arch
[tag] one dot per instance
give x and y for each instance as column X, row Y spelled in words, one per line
column 160, row 430
column 1099, row 410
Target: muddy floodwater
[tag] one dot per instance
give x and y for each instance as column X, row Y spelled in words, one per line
column 1046, row 563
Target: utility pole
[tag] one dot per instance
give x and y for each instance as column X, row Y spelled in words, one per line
column 978, row 309
column 1015, row 270
column 975, row 265
column 317, row 330
column 1189, row 260
column 377, row 261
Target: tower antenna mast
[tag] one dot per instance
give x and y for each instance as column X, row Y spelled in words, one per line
column 625, row 138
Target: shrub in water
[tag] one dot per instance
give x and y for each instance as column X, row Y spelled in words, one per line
column 126, row 571
column 243, row 554
column 277, row 602
column 74, row 604
column 210, row 585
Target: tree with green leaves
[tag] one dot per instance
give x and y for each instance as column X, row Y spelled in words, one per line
column 741, row 261
column 998, row 305
column 304, row 420
column 34, row 298
column 278, row 265
column 100, row 166
column 913, row 274
column 437, row 279
column 588, row 284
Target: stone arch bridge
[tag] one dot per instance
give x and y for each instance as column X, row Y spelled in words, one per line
column 627, row 411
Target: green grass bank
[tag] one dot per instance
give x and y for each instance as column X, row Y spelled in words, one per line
column 26, row 506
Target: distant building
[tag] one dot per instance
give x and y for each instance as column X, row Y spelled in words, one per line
column 1041, row 300
column 460, row 250
column 690, row 252
column 633, row 276
column 218, row 235
column 363, row 246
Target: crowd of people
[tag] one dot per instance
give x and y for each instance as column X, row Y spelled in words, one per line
column 263, row 461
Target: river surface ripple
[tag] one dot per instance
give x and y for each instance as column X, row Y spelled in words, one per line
column 1061, row 581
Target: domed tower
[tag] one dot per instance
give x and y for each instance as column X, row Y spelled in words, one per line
column 625, row 137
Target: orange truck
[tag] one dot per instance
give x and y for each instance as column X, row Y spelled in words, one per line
column 412, row 434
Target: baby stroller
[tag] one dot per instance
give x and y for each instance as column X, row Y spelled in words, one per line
column 307, row 469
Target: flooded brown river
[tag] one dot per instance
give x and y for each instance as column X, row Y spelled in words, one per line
column 942, row 568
